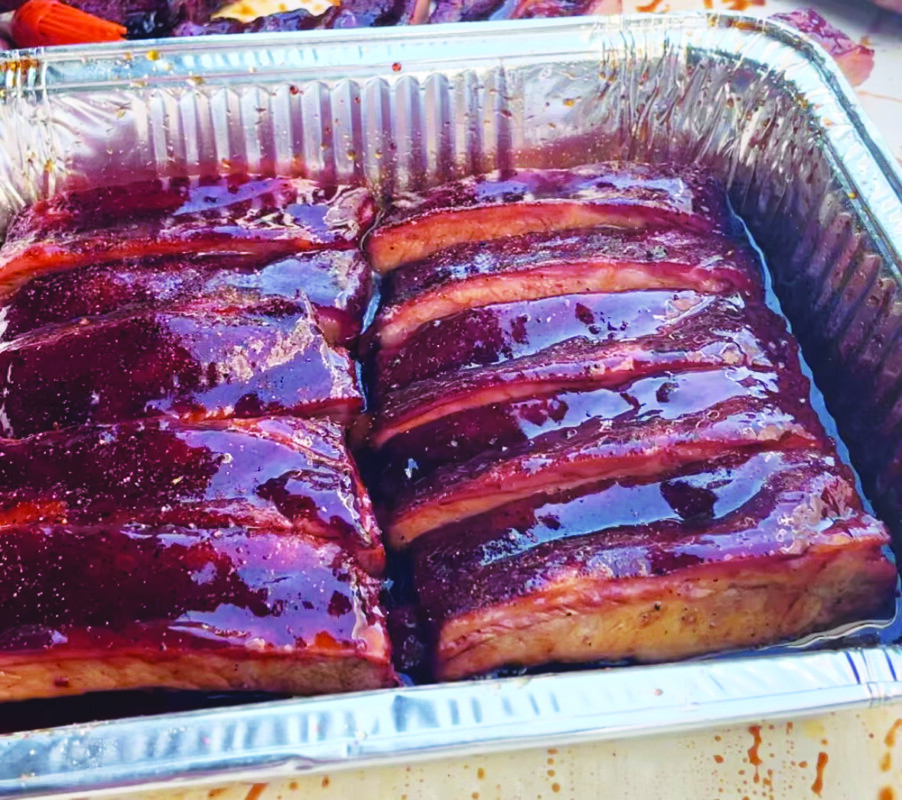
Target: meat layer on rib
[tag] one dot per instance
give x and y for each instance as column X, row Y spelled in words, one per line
column 724, row 332
column 602, row 448
column 502, row 332
column 127, row 607
column 499, row 205
column 337, row 282
column 738, row 552
column 266, row 216
column 407, row 460
column 199, row 361
column 535, row 266
column 263, row 474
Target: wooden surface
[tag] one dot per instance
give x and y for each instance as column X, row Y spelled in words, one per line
column 843, row 756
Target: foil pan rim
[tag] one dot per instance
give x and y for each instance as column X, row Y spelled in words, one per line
column 385, row 727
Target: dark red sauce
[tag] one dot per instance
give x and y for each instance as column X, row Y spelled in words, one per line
column 130, row 589
column 196, row 364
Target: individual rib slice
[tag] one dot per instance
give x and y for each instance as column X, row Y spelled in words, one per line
column 91, row 609
column 504, row 331
column 416, row 454
column 269, row 474
column 724, row 333
column 198, row 362
column 733, row 554
column 494, row 206
column 272, row 216
column 534, row 266
column 337, row 282
column 603, row 449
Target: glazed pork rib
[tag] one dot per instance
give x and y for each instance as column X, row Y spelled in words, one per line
column 498, row 205
column 603, row 449
column 496, row 429
column 200, row 361
column 265, row 216
column 590, row 434
column 502, row 332
column 264, row 474
column 530, row 267
column 733, row 554
column 724, row 332
column 337, row 282
column 126, row 607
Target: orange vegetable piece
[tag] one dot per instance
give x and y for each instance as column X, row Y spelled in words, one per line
column 38, row 23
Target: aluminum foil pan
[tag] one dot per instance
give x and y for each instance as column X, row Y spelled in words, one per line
column 767, row 112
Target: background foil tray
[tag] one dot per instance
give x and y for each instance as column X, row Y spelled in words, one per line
column 768, row 113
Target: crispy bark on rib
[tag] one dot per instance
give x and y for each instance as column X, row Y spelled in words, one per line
column 735, row 553
column 337, row 282
column 497, row 205
column 193, row 363
column 126, row 607
column 603, row 449
column 416, row 454
column 530, row 267
column 501, row 332
column 266, row 474
column 724, row 333
column 265, row 216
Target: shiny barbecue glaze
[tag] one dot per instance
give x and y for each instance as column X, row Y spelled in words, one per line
column 337, row 282
column 530, row 267
column 611, row 546
column 269, row 474
column 725, row 333
column 416, row 454
column 271, row 216
column 656, row 525
column 110, row 594
column 198, row 362
column 504, row 331
column 495, row 206
column 600, row 449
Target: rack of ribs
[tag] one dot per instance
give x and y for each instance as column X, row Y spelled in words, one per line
column 591, row 434
column 178, row 506
column 582, row 423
